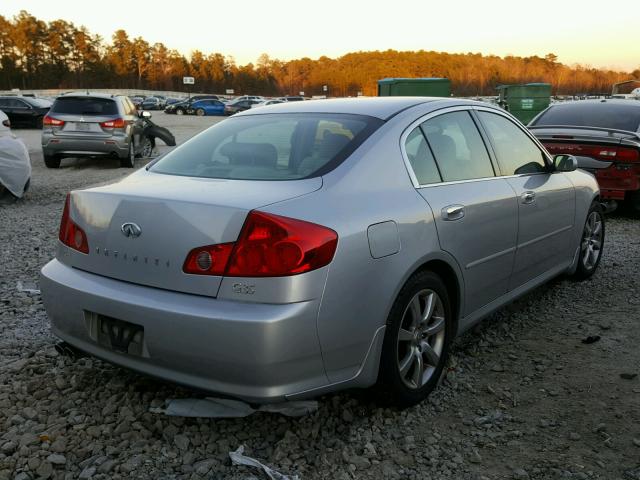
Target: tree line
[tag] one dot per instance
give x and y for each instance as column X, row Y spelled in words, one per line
column 35, row 54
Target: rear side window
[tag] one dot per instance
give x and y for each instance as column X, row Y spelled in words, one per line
column 421, row 159
column 588, row 114
column 517, row 153
column 85, row 106
column 270, row 147
column 458, row 147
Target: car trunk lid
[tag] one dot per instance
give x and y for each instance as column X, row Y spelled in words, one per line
column 140, row 230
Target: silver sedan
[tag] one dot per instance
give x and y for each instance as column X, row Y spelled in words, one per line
column 315, row 246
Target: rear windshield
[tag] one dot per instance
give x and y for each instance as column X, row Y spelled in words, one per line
column 269, row 147
column 40, row 102
column 85, row 106
column 601, row 114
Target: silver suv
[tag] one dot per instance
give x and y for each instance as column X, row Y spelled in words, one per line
column 92, row 125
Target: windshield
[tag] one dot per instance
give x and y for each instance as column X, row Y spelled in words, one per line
column 269, row 147
column 85, row 106
column 591, row 114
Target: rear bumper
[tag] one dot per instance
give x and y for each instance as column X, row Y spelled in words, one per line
column 78, row 146
column 614, row 182
column 253, row 351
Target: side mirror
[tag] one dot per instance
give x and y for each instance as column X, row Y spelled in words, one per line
column 145, row 114
column 565, row 163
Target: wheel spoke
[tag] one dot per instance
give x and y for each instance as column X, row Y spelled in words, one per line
column 430, row 305
column 418, row 370
column 585, row 256
column 431, row 356
column 405, row 335
column 598, row 228
column 597, row 244
column 407, row 361
column 415, row 311
column 435, row 327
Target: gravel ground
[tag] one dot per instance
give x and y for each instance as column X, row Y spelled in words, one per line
column 524, row 397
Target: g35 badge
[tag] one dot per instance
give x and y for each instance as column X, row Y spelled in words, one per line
column 243, row 288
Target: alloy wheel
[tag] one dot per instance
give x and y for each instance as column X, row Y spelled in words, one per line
column 591, row 246
column 421, row 338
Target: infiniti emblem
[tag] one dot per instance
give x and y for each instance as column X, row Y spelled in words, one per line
column 130, row 229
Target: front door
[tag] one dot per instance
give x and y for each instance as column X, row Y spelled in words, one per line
column 546, row 200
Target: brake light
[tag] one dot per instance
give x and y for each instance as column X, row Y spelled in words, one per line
column 268, row 246
column 599, row 152
column 48, row 121
column 71, row 234
column 117, row 123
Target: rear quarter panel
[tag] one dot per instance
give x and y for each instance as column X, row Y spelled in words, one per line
column 370, row 187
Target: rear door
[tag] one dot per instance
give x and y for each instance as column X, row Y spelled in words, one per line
column 546, row 199
column 476, row 212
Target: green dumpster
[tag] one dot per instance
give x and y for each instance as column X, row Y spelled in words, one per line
column 414, row 87
column 524, row 101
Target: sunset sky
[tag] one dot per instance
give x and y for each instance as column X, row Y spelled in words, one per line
column 574, row 30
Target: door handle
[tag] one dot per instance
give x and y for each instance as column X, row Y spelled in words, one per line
column 528, row 197
column 453, row 212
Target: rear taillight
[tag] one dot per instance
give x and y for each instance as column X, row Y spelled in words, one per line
column 117, row 123
column 48, row 121
column 268, row 246
column 71, row 234
column 599, row 152
column 209, row 260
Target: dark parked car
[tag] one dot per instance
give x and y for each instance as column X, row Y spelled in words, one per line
column 152, row 103
column 605, row 136
column 239, row 106
column 25, row 111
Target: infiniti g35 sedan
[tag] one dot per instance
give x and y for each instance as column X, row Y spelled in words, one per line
column 315, row 246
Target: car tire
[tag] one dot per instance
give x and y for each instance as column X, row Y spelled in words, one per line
column 418, row 333
column 200, row 112
column 146, row 151
column 179, row 111
column 130, row 160
column 591, row 242
column 52, row 161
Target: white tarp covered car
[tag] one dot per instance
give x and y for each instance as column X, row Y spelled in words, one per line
column 15, row 164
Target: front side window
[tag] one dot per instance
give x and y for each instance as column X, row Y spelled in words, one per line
column 517, row 153
column 421, row 159
column 269, row 147
column 458, row 147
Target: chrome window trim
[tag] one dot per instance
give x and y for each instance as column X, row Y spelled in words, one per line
column 416, row 123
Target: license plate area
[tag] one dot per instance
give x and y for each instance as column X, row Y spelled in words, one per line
column 117, row 335
column 82, row 127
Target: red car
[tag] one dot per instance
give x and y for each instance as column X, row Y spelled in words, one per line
column 606, row 134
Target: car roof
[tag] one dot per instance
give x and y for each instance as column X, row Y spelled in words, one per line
column 90, row 94
column 379, row 107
